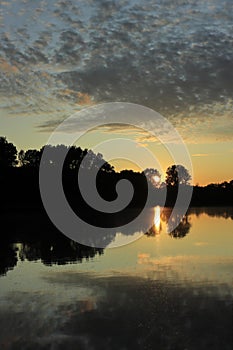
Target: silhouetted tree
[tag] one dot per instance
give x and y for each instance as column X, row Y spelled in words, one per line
column 74, row 158
column 177, row 175
column 54, row 154
column 8, row 256
column 153, row 175
column 8, row 153
column 108, row 168
column 183, row 227
column 21, row 156
column 31, row 158
column 95, row 161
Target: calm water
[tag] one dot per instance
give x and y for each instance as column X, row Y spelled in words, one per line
column 163, row 291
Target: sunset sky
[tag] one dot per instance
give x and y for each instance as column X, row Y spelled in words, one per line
column 174, row 56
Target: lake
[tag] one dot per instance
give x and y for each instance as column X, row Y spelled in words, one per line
column 161, row 291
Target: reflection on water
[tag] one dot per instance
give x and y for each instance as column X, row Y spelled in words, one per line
column 58, row 249
column 161, row 219
column 157, row 292
column 55, row 248
column 182, row 228
column 157, row 227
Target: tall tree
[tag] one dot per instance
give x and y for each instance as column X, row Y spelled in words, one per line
column 153, row 175
column 8, row 154
column 21, row 156
column 32, row 158
column 177, row 175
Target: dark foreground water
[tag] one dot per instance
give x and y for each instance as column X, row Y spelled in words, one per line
column 163, row 291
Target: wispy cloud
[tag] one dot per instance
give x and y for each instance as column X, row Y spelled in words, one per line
column 206, row 123
column 200, row 155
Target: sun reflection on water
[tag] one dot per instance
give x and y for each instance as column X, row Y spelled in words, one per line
column 157, row 220
column 156, row 227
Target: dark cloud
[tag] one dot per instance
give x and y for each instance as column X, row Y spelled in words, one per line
column 168, row 55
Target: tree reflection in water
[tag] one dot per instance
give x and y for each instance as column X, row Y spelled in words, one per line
column 22, row 242
column 182, row 229
column 171, row 219
column 54, row 250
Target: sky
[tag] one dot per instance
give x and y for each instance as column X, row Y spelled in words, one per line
column 174, row 56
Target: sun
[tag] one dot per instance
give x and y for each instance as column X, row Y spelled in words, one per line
column 156, row 179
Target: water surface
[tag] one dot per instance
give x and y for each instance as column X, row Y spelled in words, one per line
column 164, row 291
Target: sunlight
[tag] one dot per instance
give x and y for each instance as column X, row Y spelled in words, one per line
column 157, row 220
column 156, row 179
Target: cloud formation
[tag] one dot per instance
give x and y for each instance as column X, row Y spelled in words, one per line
column 173, row 56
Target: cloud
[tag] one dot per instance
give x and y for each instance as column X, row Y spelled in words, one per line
column 206, row 123
column 84, row 99
column 7, row 67
column 121, row 128
column 200, row 155
column 126, row 120
column 201, row 244
column 195, row 126
column 140, row 135
column 169, row 56
column 49, row 125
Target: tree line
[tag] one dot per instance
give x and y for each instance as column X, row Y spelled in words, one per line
column 10, row 157
column 20, row 169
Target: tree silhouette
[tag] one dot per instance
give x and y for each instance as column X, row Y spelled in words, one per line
column 177, row 175
column 183, row 227
column 8, row 256
column 8, row 153
column 32, row 158
column 75, row 159
column 153, row 175
column 95, row 161
column 21, row 156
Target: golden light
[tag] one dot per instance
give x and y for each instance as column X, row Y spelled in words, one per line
column 156, row 227
column 156, row 179
column 157, row 222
